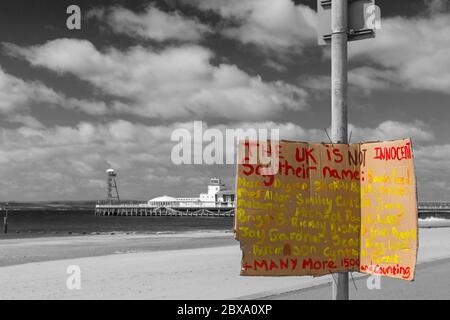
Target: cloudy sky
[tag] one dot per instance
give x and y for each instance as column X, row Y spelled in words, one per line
column 75, row 102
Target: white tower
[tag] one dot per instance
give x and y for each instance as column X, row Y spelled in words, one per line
column 215, row 185
column 112, row 191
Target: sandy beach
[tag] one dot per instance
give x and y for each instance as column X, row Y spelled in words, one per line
column 200, row 265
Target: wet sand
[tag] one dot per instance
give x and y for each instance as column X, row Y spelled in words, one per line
column 19, row 251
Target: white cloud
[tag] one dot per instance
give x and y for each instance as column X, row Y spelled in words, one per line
column 25, row 120
column 391, row 130
column 288, row 131
column 275, row 65
column 16, row 94
column 387, row 130
column 64, row 162
column 172, row 83
column 433, row 173
column 370, row 79
column 414, row 52
column 316, row 83
column 69, row 162
column 437, row 6
column 276, row 25
column 362, row 79
column 151, row 24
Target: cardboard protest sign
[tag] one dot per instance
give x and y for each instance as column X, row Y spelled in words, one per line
column 305, row 219
column 389, row 239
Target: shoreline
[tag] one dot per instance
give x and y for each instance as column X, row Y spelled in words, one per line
column 69, row 234
column 76, row 223
column 429, row 222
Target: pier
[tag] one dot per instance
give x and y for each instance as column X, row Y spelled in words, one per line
column 143, row 210
column 427, row 207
